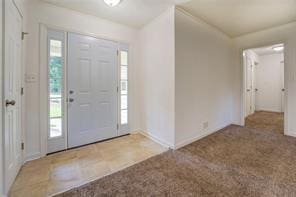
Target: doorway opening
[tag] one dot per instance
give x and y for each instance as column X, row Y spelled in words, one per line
column 264, row 88
column 86, row 90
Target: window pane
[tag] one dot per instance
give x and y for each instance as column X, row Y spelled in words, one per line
column 123, row 116
column 55, row 48
column 123, row 101
column 55, row 88
column 55, row 127
column 55, row 68
column 124, row 73
column 55, row 107
column 55, row 74
column 124, row 58
column 124, row 86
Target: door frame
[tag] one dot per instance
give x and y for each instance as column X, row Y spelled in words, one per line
column 243, row 81
column 43, row 88
column 246, row 61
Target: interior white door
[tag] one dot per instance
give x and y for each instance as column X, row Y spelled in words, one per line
column 92, row 89
column 12, row 93
column 253, row 91
column 249, row 96
column 282, row 67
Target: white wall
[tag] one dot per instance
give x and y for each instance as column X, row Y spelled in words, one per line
column 39, row 12
column 203, row 79
column 269, row 82
column 283, row 34
column 155, row 79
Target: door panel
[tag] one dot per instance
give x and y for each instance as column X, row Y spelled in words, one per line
column 282, row 67
column 92, row 76
column 248, row 87
column 12, row 90
column 253, row 91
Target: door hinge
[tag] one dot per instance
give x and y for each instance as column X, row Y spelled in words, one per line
column 23, row 35
column 22, row 91
column 117, row 52
column 23, row 146
column 117, row 89
column 117, row 126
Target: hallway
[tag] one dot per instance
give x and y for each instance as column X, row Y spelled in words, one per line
column 266, row 121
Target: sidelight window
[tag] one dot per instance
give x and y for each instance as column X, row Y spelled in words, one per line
column 124, row 87
column 55, row 76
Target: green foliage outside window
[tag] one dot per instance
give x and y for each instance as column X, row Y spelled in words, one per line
column 55, row 75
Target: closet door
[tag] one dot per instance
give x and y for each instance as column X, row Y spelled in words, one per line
column 92, row 90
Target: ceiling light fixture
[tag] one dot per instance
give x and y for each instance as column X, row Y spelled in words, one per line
column 278, row 48
column 112, row 3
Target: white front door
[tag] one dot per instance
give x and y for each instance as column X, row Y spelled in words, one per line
column 92, row 89
column 249, row 96
column 12, row 93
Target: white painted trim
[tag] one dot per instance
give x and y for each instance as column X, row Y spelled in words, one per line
column 70, row 30
column 203, row 23
column 123, row 129
column 32, row 157
column 290, row 134
column 57, row 143
column 1, row 99
column 198, row 137
column 155, row 139
column 43, row 88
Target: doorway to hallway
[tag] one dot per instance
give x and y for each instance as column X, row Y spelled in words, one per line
column 264, row 89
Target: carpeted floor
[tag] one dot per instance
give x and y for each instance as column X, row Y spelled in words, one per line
column 236, row 161
column 266, row 121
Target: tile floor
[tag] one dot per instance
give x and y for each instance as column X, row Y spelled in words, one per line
column 65, row 170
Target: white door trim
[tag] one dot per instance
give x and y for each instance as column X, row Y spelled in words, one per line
column 43, row 110
column 43, row 104
column 243, row 83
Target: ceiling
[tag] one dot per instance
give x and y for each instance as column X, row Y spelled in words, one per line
column 238, row 17
column 135, row 13
column 267, row 50
column 233, row 17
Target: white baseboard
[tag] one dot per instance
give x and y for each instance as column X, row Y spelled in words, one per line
column 32, row 157
column 269, row 110
column 198, row 137
column 290, row 134
column 155, row 139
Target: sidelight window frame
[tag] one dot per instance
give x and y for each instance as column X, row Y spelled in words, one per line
column 59, row 36
column 123, row 126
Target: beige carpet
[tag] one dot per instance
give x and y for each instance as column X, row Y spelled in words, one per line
column 235, row 161
column 266, row 121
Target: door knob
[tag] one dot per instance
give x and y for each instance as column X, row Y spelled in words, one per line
column 8, row 102
column 71, row 100
column 283, row 90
